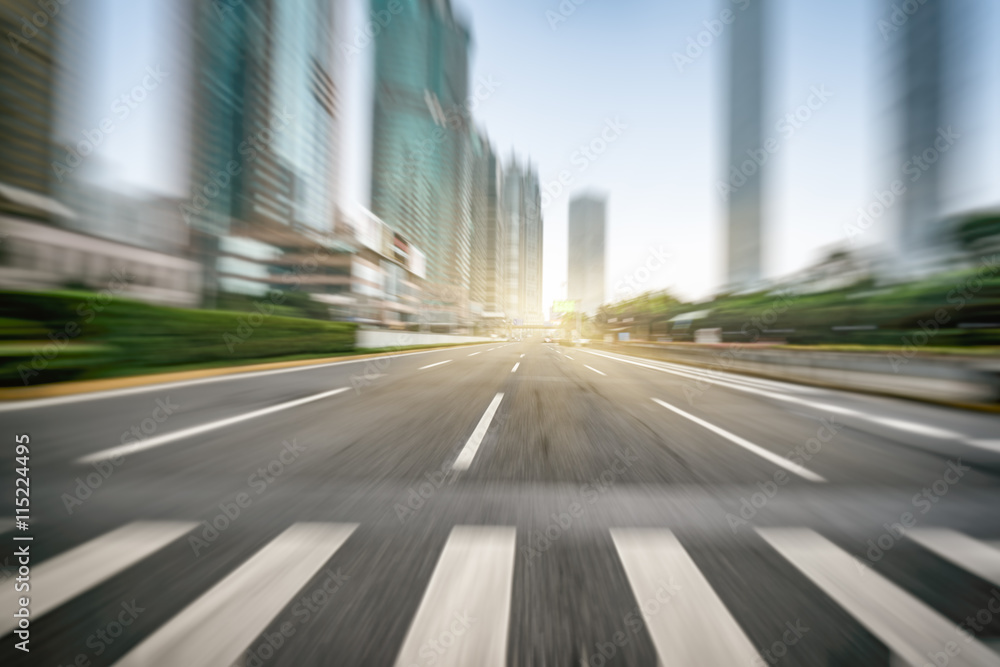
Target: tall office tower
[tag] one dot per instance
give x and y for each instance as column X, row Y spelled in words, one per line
column 265, row 116
column 28, row 77
column 532, row 230
column 421, row 167
column 917, row 65
column 587, row 248
column 489, row 236
column 747, row 79
column 523, row 209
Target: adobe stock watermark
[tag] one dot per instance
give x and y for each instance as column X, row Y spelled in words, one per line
column 454, row 118
column 121, row 108
column 562, row 13
column 542, row 540
column 364, row 36
column 779, row 649
column 704, row 39
column 913, row 169
column 435, row 647
column 753, row 329
column 39, row 21
column 582, row 158
column 304, row 610
column 248, row 149
column 631, row 285
column 87, row 311
column 418, row 495
column 898, row 17
column 231, row 510
column 958, row 297
column 635, row 623
column 924, row 501
column 787, row 127
column 102, row 638
column 802, row 454
column 103, row 469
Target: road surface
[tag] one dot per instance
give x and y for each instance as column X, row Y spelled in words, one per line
column 504, row 504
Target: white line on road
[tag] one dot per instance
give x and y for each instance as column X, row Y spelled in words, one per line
column 568, row 357
column 909, row 628
column 53, row 401
column 688, row 623
column 217, row 628
column 149, row 443
column 594, row 369
column 464, row 615
column 440, row 363
column 980, row 558
column 468, row 452
column 514, row 370
column 746, row 444
column 76, row 571
column 522, row 356
column 474, row 354
column 899, row 424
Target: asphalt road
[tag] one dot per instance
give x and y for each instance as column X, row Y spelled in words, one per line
column 507, row 504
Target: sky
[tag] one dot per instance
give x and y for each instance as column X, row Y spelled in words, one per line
column 562, row 82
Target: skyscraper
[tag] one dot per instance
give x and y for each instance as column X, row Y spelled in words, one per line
column 917, row 58
column 421, row 166
column 746, row 134
column 265, row 121
column 523, row 210
column 28, row 76
column 587, row 235
column 489, row 236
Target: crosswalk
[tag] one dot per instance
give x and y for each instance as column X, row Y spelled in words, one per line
column 464, row 614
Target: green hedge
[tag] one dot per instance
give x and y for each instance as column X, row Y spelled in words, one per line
column 56, row 336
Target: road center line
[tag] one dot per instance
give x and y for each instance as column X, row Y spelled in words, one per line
column 746, row 444
column 149, row 443
column 514, row 370
column 594, row 369
column 474, row 354
column 440, row 363
column 468, row 452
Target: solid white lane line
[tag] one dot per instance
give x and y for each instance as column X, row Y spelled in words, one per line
column 467, row 601
column 216, row 628
column 791, row 466
column 63, row 577
column 157, row 441
column 900, row 424
column 914, row 427
column 980, row 558
column 440, row 363
column 514, row 370
column 468, row 452
column 30, row 404
column 594, row 369
column 909, row 628
column 688, row 623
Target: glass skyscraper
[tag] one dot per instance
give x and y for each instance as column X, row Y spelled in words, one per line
column 421, row 154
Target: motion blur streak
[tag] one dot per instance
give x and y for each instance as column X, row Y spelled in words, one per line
column 530, row 333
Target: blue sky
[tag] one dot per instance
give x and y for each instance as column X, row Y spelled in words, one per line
column 613, row 60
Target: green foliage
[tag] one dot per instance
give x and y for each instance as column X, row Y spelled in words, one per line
column 55, row 336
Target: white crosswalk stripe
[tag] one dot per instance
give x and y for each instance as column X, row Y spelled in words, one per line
column 69, row 574
column 217, row 627
column 979, row 558
column 463, row 617
column 690, row 625
column 917, row 634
